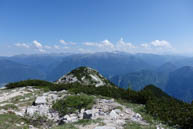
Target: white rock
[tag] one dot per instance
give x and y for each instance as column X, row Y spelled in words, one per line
column 117, row 110
column 120, row 122
column 101, row 113
column 159, row 127
column 41, row 110
column 67, row 79
column 74, row 119
column 31, row 111
column 67, row 117
column 87, row 114
column 138, row 116
column 82, row 110
column 40, row 100
column 105, row 127
column 113, row 114
column 19, row 113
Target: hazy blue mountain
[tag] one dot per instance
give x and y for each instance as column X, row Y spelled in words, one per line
column 180, row 83
column 109, row 64
column 157, row 60
column 43, row 63
column 166, row 68
column 136, row 70
column 188, row 61
column 138, row 80
column 12, row 71
column 2, row 84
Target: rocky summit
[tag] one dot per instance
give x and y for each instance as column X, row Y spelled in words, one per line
column 32, row 109
column 84, row 76
column 94, row 104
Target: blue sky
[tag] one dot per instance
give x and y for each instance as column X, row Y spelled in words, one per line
column 48, row 26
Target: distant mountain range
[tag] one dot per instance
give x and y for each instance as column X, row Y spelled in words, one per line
column 125, row 70
column 180, row 83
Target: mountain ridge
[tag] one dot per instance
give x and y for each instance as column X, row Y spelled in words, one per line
column 85, row 76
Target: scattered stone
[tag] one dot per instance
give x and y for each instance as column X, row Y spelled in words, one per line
column 87, row 114
column 113, row 114
column 103, row 109
column 104, row 127
column 40, row 100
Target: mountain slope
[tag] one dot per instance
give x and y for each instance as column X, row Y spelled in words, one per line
column 11, row 71
column 109, row 64
column 84, row 76
column 138, row 80
column 180, row 84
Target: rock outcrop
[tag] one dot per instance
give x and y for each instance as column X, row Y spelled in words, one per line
column 84, row 76
column 111, row 114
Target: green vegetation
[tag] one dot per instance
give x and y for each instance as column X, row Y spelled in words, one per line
column 140, row 108
column 65, row 126
column 73, row 103
column 172, row 111
column 119, row 107
column 157, row 103
column 133, row 125
column 39, row 121
column 85, row 72
column 11, row 121
column 9, row 106
column 80, row 72
column 85, row 122
column 82, row 122
column 25, row 83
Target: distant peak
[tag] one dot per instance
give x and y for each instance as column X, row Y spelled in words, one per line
column 85, row 76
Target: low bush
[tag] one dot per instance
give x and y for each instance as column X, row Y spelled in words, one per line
column 160, row 105
column 9, row 106
column 73, row 103
column 28, row 83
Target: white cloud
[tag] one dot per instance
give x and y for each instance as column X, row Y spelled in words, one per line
column 37, row 44
column 66, row 43
column 156, row 46
column 145, row 45
column 66, row 47
column 161, row 43
column 63, row 42
column 22, row 45
column 90, row 44
column 105, row 44
column 47, row 47
column 42, row 50
column 56, row 47
column 122, row 44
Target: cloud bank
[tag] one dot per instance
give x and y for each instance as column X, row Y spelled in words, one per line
column 155, row 46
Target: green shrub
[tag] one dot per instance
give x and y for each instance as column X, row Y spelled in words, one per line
column 28, row 83
column 160, row 105
column 73, row 103
column 65, row 126
column 9, row 106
